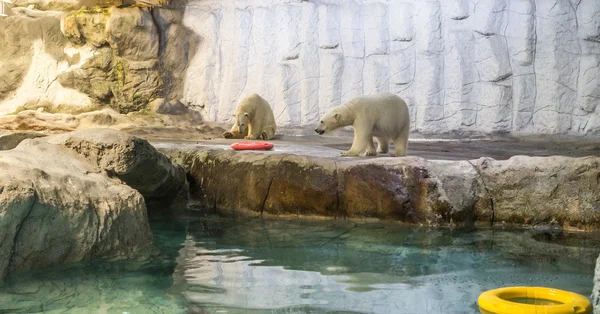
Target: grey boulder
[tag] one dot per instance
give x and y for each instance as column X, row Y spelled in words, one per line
column 56, row 207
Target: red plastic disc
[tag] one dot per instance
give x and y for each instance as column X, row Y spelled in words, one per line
column 252, row 146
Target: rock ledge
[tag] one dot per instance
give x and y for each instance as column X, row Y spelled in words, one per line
column 561, row 192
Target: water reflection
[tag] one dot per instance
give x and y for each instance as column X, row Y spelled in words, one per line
column 215, row 265
column 105, row 286
column 262, row 266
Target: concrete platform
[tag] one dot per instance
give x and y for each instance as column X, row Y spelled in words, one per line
column 435, row 149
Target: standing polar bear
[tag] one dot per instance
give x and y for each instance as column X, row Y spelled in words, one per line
column 254, row 119
column 384, row 116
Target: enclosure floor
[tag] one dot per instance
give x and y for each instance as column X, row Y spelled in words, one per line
column 499, row 149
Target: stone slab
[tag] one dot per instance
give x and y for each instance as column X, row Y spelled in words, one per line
column 441, row 183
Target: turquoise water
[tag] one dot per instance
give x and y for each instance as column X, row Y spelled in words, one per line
column 254, row 265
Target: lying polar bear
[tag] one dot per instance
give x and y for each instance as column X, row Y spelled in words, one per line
column 383, row 115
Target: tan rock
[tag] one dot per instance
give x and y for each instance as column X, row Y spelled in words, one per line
column 85, row 26
column 228, row 181
column 16, row 52
column 406, row 192
column 55, row 207
column 94, row 78
column 137, row 84
column 11, row 140
column 134, row 161
column 545, row 192
column 50, row 5
column 101, row 118
column 125, row 73
column 132, row 33
column 180, row 46
column 300, row 183
column 174, row 107
column 31, row 120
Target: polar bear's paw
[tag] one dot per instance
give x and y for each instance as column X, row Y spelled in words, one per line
column 228, row 134
column 348, row 154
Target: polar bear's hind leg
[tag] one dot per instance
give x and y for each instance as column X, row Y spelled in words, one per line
column 401, row 143
column 382, row 145
column 267, row 134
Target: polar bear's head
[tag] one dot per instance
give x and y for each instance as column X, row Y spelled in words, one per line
column 331, row 121
column 241, row 121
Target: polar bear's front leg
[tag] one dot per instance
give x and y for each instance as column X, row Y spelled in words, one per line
column 360, row 143
column 233, row 133
column 252, row 133
column 370, row 148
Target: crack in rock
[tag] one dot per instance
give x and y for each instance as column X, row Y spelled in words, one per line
column 337, row 188
column 270, row 183
column 501, row 78
column 18, row 231
column 329, row 46
column 486, row 34
column 487, row 191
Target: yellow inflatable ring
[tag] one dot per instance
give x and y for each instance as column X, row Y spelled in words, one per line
column 496, row 301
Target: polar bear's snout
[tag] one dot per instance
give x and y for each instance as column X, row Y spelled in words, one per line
column 320, row 129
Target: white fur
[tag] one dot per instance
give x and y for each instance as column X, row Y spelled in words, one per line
column 254, row 119
column 383, row 116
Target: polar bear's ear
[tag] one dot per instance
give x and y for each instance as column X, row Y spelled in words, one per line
column 246, row 114
column 336, row 116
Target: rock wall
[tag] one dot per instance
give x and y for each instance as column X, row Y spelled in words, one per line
column 485, row 66
column 33, row 53
column 119, row 57
column 491, row 66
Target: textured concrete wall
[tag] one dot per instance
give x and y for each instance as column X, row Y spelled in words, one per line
column 519, row 66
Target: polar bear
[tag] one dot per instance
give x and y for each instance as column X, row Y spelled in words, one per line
column 384, row 116
column 254, row 119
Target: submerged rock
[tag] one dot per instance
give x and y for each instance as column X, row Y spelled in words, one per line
column 56, row 207
column 133, row 160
